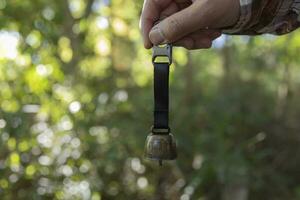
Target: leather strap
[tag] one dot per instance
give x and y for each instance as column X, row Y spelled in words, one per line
column 161, row 96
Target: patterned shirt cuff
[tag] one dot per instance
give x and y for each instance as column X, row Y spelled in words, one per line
column 245, row 17
column 279, row 18
column 267, row 16
column 296, row 8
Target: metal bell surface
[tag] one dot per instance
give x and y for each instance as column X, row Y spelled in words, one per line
column 160, row 147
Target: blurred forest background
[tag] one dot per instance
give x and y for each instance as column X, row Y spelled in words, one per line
column 76, row 106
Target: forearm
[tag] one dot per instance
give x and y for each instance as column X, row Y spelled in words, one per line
column 267, row 16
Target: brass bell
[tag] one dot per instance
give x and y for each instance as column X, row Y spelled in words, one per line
column 160, row 147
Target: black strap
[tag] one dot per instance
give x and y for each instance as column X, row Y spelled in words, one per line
column 161, row 95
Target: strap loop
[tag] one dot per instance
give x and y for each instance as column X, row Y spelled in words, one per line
column 161, row 90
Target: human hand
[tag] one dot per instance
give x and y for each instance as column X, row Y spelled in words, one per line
column 190, row 24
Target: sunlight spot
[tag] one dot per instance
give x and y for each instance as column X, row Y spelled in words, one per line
column 66, row 139
column 44, row 182
column 77, row 189
column 41, row 190
column 76, row 7
column 180, row 183
column 120, row 27
column 84, row 167
column 142, row 182
column 84, row 185
column 63, row 93
column 261, row 136
column 14, row 159
column 39, row 127
column 30, row 170
column 103, row 98
column 31, row 108
column 65, row 124
column 65, row 50
column 189, row 190
column 46, row 138
column 185, row 197
column 44, row 70
column 96, row 130
column 75, row 142
column 66, row 170
column 9, row 44
column 2, row 123
column 74, row 107
column 63, row 156
column 4, row 136
column 102, row 136
column 23, row 60
column 76, row 154
column 137, row 166
column 56, row 150
column 102, row 22
column 121, row 96
column 197, row 162
column 13, row 178
column 34, row 39
column 48, row 13
column 103, row 47
column 45, row 160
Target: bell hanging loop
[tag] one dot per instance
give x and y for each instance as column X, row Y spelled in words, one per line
column 160, row 143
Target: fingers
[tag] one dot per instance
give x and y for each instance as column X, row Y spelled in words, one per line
column 201, row 39
column 168, row 11
column 190, row 44
column 182, row 20
column 180, row 24
column 151, row 13
column 183, row 3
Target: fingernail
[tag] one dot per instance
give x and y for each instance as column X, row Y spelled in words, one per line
column 156, row 36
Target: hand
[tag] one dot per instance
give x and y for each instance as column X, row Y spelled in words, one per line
column 190, row 24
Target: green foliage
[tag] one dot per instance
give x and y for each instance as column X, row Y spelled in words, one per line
column 76, row 107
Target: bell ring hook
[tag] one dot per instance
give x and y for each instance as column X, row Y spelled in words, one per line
column 160, row 143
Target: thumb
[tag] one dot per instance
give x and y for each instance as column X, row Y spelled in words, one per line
column 179, row 24
column 200, row 15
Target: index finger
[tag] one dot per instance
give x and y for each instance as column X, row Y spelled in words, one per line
column 150, row 14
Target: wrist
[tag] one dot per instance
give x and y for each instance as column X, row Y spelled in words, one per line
column 244, row 16
column 234, row 13
column 229, row 13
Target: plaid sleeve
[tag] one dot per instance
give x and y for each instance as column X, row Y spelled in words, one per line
column 267, row 16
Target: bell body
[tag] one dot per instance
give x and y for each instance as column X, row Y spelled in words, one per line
column 160, row 147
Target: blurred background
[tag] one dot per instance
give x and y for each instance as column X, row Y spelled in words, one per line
column 76, row 105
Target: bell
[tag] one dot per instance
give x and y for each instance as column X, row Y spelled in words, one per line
column 160, row 147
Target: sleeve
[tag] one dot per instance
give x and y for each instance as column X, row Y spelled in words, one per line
column 266, row 16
